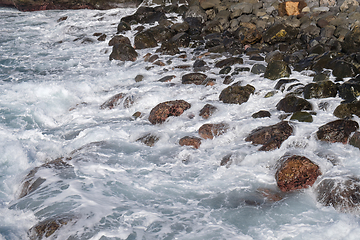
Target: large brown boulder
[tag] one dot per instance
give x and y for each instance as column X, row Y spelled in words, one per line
column 194, row 78
column 236, row 94
column 347, row 110
column 337, row 131
column 296, row 172
column 280, row 33
column 270, row 137
column 162, row 111
column 322, row 89
column 123, row 52
column 35, row 5
column 209, row 131
column 342, row 193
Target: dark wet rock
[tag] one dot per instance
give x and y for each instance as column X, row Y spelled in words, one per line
column 102, row 37
column 200, row 65
column 302, row 117
column 119, row 39
column 144, row 40
column 144, row 15
column 33, row 182
column 355, row 140
column 280, row 85
column 161, row 33
column 350, row 90
column 159, row 63
column 225, row 70
column 351, row 42
column 137, row 115
column 48, row 227
column 229, row 62
column 337, row 131
column 168, row 48
column 293, row 104
column 209, row 131
column 162, row 111
column 167, row 78
column 181, row 40
column 274, row 56
column 148, row 139
column 256, row 58
column 123, row 52
column 248, row 35
column 228, row 80
column 190, row 141
column 325, row 60
column 261, row 114
column 61, row 19
column 236, row 94
column 347, row 110
column 139, row 78
column 304, row 64
column 340, row 192
column 322, row 76
column 280, row 33
column 180, row 27
column 270, row 137
column 123, row 26
column 116, row 100
column 323, row 89
column 276, row 70
column 195, row 25
column 226, row 160
column 296, row 172
column 207, row 111
column 194, row 78
column 258, row 68
column 342, row 69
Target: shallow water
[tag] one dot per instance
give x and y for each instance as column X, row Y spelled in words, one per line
column 53, row 78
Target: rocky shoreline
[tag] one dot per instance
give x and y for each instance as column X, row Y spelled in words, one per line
column 323, row 38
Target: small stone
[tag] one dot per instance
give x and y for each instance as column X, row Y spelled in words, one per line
column 209, row 131
column 236, row 94
column 207, row 111
column 229, row 62
column 261, row 114
column 258, row 69
column 302, row 117
column 139, row 78
column 167, row 78
column 190, row 141
column 148, row 139
column 193, row 78
column 162, row 111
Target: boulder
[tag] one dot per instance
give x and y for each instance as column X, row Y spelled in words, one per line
column 144, row 15
column 229, row 62
column 144, row 40
column 190, row 141
column 351, row 42
column 209, row 131
column 123, row 26
column 337, row 131
column 168, row 48
column 48, row 227
column 355, row 140
column 296, row 172
column 261, row 114
column 196, row 12
column 347, row 110
column 302, row 117
column 162, row 111
column 236, row 94
column 280, row 33
column 277, row 69
column 322, row 89
column 148, row 139
column 119, row 39
column 340, row 192
column 181, row 40
column 258, row 68
column 123, row 52
column 270, row 137
column 293, row 104
column 343, row 69
column 194, row 78
column 350, row 90
column 207, row 111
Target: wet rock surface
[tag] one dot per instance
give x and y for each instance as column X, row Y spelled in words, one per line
column 236, row 94
column 207, row 111
column 296, row 172
column 337, row 131
column 190, row 141
column 162, row 111
column 209, row 131
column 293, row 104
column 148, row 139
column 270, row 137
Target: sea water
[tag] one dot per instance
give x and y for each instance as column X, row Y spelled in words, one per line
column 55, row 74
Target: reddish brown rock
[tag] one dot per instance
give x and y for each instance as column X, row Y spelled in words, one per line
column 296, row 172
column 207, row 111
column 270, row 137
column 291, row 8
column 209, row 131
column 190, row 141
column 167, row 109
column 342, row 193
column 337, row 131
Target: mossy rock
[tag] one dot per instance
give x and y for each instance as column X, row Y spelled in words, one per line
column 347, row 110
column 276, row 70
column 302, row 117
